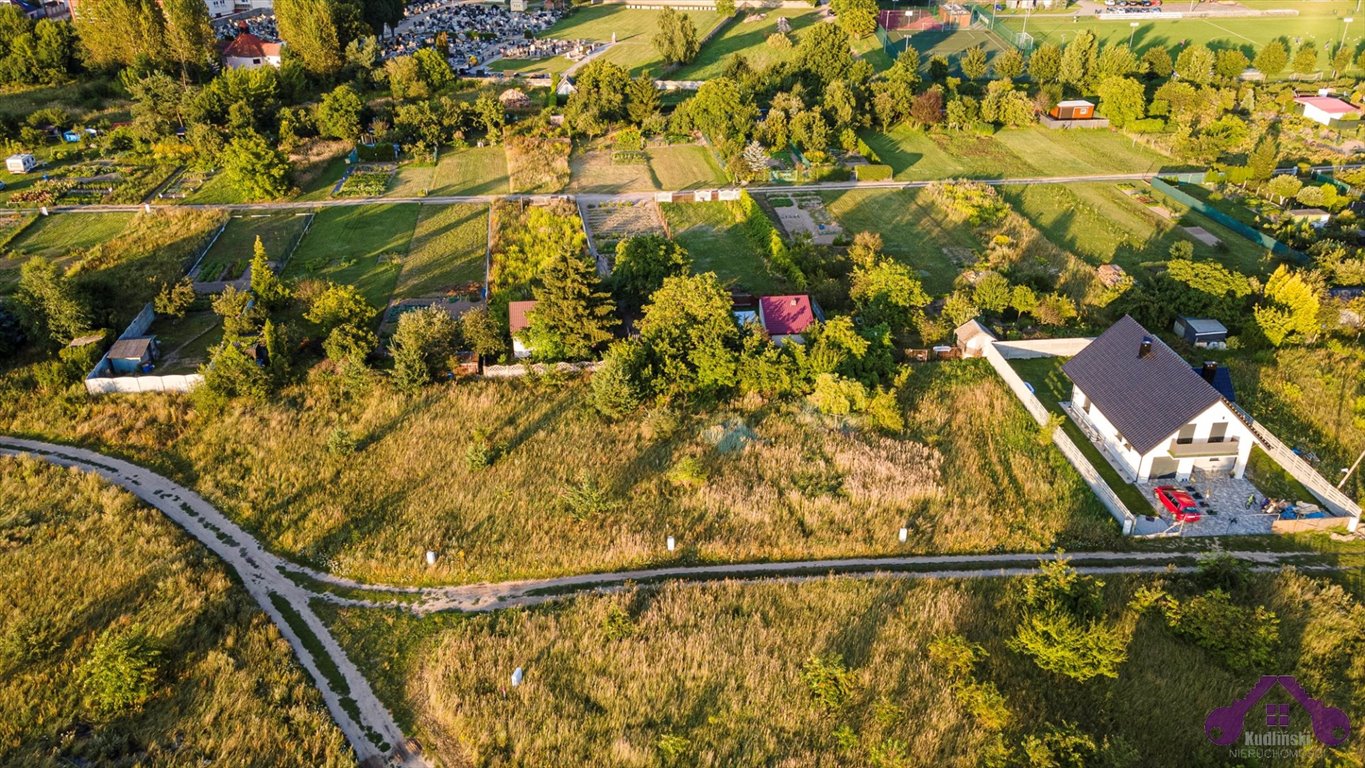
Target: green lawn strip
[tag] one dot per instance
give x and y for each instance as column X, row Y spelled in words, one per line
column 1051, row 386
column 911, row 232
column 717, row 244
column 1096, row 221
column 1235, row 252
column 184, row 343
column 320, row 186
column 685, row 166
column 1273, row 480
column 474, row 171
column 448, row 248
column 359, row 245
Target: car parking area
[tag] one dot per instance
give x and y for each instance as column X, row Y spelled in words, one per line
column 1227, row 506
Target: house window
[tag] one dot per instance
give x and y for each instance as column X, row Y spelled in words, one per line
column 1186, row 434
column 1219, row 431
column 1277, row 715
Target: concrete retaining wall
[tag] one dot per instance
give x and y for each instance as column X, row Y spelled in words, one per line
column 1025, row 350
column 1064, row 443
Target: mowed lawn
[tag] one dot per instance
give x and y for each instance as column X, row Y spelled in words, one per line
column 685, row 166
column 916, row 155
column 53, row 236
column 717, row 244
column 359, row 245
column 912, row 231
column 474, row 171
column 633, row 30
column 448, row 248
column 1080, row 152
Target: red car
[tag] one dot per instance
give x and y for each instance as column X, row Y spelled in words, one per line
column 1178, row 503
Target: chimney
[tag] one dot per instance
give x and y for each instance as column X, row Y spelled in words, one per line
column 1210, row 368
column 1146, row 347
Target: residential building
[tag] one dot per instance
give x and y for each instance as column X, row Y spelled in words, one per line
column 1154, row 415
column 247, row 51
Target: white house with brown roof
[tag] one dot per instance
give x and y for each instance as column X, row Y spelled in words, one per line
column 247, row 51
column 517, row 323
column 1155, row 415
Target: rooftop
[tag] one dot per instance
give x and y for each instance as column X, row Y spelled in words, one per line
column 786, row 315
column 1329, row 104
column 248, row 46
column 516, row 315
column 1146, row 397
column 131, row 349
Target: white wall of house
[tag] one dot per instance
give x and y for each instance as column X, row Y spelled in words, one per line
column 219, row 7
column 1140, row 466
column 242, row 62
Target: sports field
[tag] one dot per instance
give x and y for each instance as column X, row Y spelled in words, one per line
column 1318, row 22
column 633, row 30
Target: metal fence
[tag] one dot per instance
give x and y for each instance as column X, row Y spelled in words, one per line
column 1245, row 230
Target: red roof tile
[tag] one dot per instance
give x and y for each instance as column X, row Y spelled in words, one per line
column 785, row 315
column 516, row 315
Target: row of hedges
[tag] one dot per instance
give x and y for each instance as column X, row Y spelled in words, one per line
column 759, row 230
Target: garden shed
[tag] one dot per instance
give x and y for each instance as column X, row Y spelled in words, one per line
column 1201, row 331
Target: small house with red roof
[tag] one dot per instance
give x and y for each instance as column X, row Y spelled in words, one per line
column 785, row 318
column 247, row 51
column 517, row 323
column 1327, row 110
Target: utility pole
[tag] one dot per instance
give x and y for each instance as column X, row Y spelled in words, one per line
column 1132, row 30
column 1347, row 476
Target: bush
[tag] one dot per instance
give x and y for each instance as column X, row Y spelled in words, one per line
column 1146, row 125
column 121, row 671
column 829, row 680
column 1244, row 638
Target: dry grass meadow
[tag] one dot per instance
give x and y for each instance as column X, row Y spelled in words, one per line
column 570, row 492
column 83, row 558
column 717, row 675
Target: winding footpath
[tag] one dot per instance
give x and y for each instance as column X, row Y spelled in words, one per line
column 284, row 590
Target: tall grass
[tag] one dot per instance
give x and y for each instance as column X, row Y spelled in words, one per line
column 81, row 557
column 712, row 675
column 969, row 476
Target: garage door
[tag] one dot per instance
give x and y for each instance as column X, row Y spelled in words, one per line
column 1163, row 466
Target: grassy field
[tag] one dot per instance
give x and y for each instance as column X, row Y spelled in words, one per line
column 912, row 229
column 684, row 166
column 53, row 236
column 231, row 254
column 717, row 244
column 1052, row 386
column 721, row 675
column 360, row 245
column 475, row 171
column 448, row 248
column 632, row 28
column 185, row 342
column 83, row 561
column 968, row 474
column 1311, row 398
column 747, row 36
column 1320, row 23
